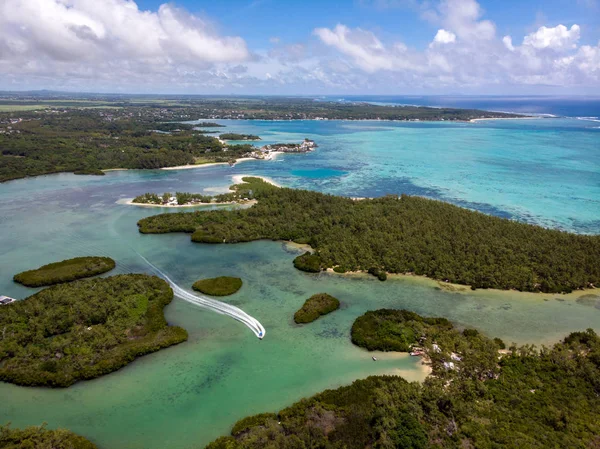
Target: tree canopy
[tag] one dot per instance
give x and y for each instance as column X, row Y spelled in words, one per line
column 404, row 234
column 65, row 271
column 84, row 329
column 525, row 398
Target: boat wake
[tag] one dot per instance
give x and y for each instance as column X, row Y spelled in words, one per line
column 217, row 306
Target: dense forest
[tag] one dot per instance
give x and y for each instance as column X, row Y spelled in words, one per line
column 315, row 307
column 65, row 271
column 86, row 136
column 39, row 437
column 476, row 397
column 234, row 136
column 399, row 235
column 86, row 141
column 84, row 329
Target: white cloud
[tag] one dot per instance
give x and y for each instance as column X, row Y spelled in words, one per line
column 77, row 45
column 444, row 37
column 77, row 35
column 462, row 18
column 362, row 46
column 507, row 41
column 467, row 53
column 557, row 38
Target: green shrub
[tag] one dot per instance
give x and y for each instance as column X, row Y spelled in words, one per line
column 219, row 286
column 65, row 271
column 392, row 330
column 308, row 262
column 251, row 421
column 38, row 437
column 315, row 306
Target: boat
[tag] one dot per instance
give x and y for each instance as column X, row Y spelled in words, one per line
column 374, row 358
column 4, row 300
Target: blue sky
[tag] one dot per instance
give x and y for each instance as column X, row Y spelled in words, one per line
column 258, row 20
column 302, row 47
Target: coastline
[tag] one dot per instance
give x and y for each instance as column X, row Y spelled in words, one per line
column 130, row 202
column 462, row 288
column 238, row 179
column 527, row 117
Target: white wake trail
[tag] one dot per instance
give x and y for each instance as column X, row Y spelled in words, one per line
column 212, row 304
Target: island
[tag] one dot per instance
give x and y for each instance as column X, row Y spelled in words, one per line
column 219, row 286
column 65, row 271
column 399, row 235
column 234, row 136
column 89, row 135
column 477, row 395
column 84, row 329
column 35, row 437
column 315, row 307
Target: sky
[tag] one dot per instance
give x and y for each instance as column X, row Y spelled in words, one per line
column 302, row 47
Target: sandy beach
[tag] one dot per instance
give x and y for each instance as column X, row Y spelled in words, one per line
column 473, row 120
column 237, row 179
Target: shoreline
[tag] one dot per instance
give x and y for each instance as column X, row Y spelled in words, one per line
column 129, row 202
column 462, row 288
column 528, row 117
column 238, row 179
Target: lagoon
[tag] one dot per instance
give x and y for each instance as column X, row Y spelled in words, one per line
column 543, row 171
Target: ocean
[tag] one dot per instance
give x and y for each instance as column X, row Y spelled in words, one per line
column 543, row 171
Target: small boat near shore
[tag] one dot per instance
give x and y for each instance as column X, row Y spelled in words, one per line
column 374, row 358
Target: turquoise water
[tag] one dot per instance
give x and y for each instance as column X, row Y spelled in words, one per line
column 542, row 171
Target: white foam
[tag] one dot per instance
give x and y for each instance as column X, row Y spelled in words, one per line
column 217, row 306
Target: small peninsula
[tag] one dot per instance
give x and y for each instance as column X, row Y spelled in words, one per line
column 315, row 307
column 84, row 329
column 399, row 234
column 219, row 286
column 478, row 395
column 65, row 271
column 38, row 437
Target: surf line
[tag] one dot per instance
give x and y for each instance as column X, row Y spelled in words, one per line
column 217, row 306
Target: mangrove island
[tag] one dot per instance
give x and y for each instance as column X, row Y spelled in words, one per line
column 65, row 271
column 315, row 307
column 219, row 286
column 84, row 329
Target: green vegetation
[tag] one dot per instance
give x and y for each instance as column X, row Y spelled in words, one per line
column 220, row 286
column 182, row 198
column 476, row 398
column 65, row 271
column 38, row 437
column 84, row 329
column 245, row 424
column 311, row 263
column 394, row 330
column 40, row 135
column 316, row 306
column 89, row 140
column 399, row 235
column 234, row 136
